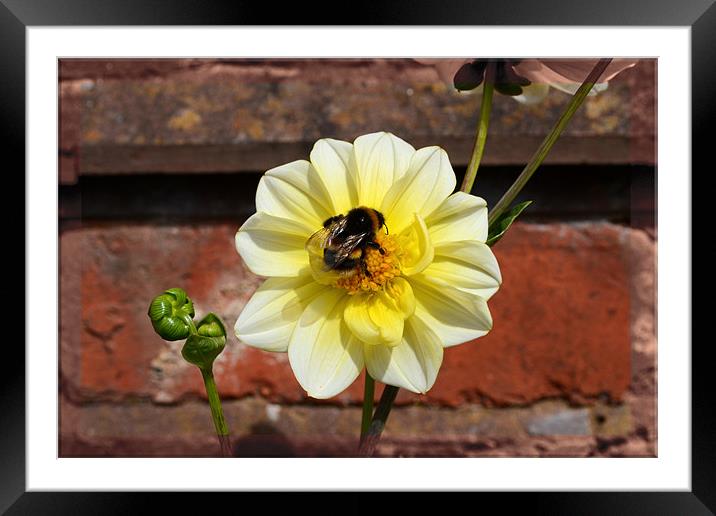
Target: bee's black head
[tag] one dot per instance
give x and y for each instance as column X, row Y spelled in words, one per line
column 381, row 219
column 364, row 220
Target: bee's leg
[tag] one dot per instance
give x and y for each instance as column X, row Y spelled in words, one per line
column 376, row 245
column 364, row 266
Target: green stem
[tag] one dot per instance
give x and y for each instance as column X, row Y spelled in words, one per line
column 372, row 436
column 368, row 394
column 549, row 141
column 222, row 431
column 482, row 127
column 189, row 322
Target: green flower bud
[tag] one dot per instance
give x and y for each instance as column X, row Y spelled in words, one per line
column 172, row 314
column 202, row 348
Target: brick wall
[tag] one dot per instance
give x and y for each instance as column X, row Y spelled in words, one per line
column 159, row 162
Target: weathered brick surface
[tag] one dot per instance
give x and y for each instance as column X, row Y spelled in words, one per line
column 562, row 317
column 569, row 369
column 259, row 428
column 232, row 115
column 642, row 394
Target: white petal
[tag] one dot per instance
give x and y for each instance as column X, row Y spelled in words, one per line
column 273, row 246
column 532, row 94
column 381, row 159
column 294, row 191
column 324, row 355
column 572, row 87
column 460, row 217
column 334, row 162
column 268, row 319
column 428, row 181
column 413, row 364
column 468, row 265
column 567, row 74
column 454, row 315
column 576, row 70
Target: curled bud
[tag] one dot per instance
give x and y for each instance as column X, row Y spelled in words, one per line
column 171, row 314
column 202, row 348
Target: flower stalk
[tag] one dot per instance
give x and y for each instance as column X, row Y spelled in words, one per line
column 482, row 127
column 217, row 414
column 541, row 153
column 371, row 437
column 368, row 395
column 172, row 317
column 380, row 418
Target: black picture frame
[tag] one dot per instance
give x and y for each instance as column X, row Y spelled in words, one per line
column 17, row 15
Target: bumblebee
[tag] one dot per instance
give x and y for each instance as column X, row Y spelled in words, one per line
column 341, row 244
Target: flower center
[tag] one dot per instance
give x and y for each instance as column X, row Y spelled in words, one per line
column 378, row 267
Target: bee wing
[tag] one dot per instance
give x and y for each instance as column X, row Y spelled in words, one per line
column 323, row 238
column 346, row 247
column 315, row 245
column 342, row 248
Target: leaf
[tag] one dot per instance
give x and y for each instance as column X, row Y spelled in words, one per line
column 498, row 228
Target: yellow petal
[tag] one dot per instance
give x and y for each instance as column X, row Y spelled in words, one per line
column 324, row 355
column 468, row 265
column 413, row 364
column 401, row 293
column 416, row 247
column 428, row 181
column 268, row 319
column 294, row 191
column 381, row 159
column 273, row 246
column 460, row 217
column 454, row 315
column 334, row 162
column 372, row 319
column 377, row 318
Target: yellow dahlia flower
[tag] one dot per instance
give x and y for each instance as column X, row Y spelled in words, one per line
column 421, row 287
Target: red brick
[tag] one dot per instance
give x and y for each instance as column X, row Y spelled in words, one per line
column 70, row 116
column 107, row 68
column 561, row 318
column 69, row 125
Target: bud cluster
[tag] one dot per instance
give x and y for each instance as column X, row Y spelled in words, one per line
column 172, row 316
